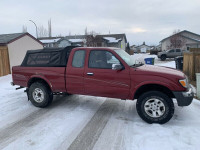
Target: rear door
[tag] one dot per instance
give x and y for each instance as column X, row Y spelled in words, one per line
column 101, row 80
column 75, row 72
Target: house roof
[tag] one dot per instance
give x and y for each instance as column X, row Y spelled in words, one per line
column 196, row 40
column 6, row 38
column 80, row 37
column 76, row 40
column 50, row 40
column 112, row 39
column 9, row 38
column 182, row 35
column 117, row 36
column 55, row 40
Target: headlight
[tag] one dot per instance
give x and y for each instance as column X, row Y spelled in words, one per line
column 184, row 83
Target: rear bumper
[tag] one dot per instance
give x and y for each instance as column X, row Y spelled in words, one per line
column 184, row 98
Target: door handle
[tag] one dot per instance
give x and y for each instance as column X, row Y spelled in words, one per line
column 90, row 74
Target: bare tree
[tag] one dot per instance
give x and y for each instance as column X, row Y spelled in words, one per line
column 128, row 48
column 42, row 32
column 86, row 32
column 24, row 29
column 49, row 28
column 176, row 40
column 59, row 35
column 92, row 39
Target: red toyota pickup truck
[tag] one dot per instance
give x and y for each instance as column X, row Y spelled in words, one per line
column 106, row 72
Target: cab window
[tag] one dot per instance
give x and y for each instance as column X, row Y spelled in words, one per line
column 78, row 59
column 102, row 59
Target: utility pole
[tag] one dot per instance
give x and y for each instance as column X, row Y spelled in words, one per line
column 35, row 27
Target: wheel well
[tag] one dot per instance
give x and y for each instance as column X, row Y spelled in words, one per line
column 163, row 55
column 33, row 80
column 153, row 87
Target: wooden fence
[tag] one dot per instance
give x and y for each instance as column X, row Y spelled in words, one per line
column 4, row 61
column 195, row 50
column 191, row 64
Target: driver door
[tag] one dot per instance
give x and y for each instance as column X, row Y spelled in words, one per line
column 101, row 80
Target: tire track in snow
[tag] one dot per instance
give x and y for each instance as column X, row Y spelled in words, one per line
column 93, row 129
column 12, row 132
column 114, row 134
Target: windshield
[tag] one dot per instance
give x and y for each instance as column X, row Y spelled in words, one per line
column 125, row 56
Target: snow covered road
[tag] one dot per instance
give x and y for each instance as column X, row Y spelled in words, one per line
column 79, row 122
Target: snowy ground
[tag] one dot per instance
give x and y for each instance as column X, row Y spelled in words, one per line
column 81, row 122
column 140, row 58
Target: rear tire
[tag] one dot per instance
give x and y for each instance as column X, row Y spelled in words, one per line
column 40, row 95
column 155, row 107
column 163, row 57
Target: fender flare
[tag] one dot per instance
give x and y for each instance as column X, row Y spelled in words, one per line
column 40, row 77
column 160, row 83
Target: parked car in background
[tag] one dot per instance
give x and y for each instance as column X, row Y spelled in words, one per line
column 172, row 53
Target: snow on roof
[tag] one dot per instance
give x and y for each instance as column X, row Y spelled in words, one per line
column 111, row 39
column 50, row 40
column 75, row 40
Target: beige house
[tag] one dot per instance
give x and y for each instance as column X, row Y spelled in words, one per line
column 191, row 40
column 141, row 48
column 13, row 48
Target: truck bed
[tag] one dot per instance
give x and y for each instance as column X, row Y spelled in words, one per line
column 54, row 76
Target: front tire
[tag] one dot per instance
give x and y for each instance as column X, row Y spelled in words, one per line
column 155, row 107
column 40, row 95
column 163, row 57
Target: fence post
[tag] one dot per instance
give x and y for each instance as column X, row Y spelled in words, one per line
column 198, row 84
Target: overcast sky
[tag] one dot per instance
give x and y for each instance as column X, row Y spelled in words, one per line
column 141, row 20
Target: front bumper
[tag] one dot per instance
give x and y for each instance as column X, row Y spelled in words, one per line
column 184, row 98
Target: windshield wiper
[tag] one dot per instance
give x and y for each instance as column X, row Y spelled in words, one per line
column 137, row 65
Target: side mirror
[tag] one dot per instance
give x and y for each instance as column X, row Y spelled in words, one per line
column 117, row 67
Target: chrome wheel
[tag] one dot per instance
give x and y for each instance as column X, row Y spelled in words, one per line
column 38, row 95
column 154, row 108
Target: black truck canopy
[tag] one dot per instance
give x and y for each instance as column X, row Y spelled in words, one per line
column 47, row 57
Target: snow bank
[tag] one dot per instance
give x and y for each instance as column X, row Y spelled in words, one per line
column 139, row 58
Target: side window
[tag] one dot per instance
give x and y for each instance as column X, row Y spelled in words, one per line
column 171, row 51
column 102, row 59
column 178, row 50
column 78, row 59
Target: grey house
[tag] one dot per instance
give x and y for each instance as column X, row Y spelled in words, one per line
column 192, row 40
column 107, row 40
column 114, row 40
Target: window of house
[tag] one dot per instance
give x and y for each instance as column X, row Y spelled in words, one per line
column 102, row 59
column 78, row 59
